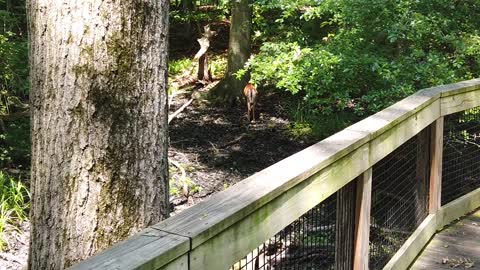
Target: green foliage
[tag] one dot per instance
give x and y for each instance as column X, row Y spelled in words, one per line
column 178, row 179
column 14, row 204
column 308, row 125
column 360, row 56
column 13, row 55
column 218, row 66
column 15, row 144
column 13, row 72
column 178, row 66
column 182, row 66
column 204, row 15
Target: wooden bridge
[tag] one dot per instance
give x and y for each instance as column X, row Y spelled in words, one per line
column 369, row 197
column 457, row 246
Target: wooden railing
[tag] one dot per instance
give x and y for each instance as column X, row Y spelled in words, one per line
column 220, row 231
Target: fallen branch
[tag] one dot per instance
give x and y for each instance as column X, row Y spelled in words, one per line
column 172, row 116
column 173, row 95
column 195, row 95
column 234, row 141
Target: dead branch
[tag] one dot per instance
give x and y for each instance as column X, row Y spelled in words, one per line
column 173, row 95
column 200, row 59
column 172, row 116
column 234, row 141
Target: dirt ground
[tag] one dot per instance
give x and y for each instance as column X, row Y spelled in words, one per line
column 16, row 254
column 217, row 146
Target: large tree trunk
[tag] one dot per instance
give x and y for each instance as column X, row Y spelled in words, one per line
column 239, row 49
column 99, row 125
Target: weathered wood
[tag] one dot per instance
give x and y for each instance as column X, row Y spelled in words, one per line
column 459, row 87
column 345, row 226
column 381, row 122
column 422, row 174
column 208, row 218
column 459, row 207
column 436, row 154
column 180, row 263
column 362, row 224
column 259, row 189
column 149, row 249
column 460, row 102
column 249, row 232
column 397, row 135
column 457, row 244
column 414, row 244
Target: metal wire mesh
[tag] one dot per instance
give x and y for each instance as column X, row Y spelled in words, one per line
column 461, row 154
column 306, row 244
column 399, row 198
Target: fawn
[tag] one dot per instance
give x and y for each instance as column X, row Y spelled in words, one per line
column 251, row 94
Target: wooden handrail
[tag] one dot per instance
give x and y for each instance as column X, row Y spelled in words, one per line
column 217, row 232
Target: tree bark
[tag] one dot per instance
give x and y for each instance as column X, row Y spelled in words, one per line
column 204, row 73
column 187, row 6
column 239, row 49
column 99, row 125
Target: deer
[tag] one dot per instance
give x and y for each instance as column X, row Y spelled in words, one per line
column 251, row 95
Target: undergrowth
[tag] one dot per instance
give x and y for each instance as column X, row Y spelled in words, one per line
column 309, row 125
column 14, row 205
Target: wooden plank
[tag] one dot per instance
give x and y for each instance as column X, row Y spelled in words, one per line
column 180, row 263
column 436, row 155
column 414, row 244
column 458, row 242
column 384, row 120
column 460, row 102
column 458, row 208
column 345, row 226
column 208, row 218
column 362, row 224
column 460, row 87
column 149, row 249
column 390, row 140
column 249, row 232
column 422, row 169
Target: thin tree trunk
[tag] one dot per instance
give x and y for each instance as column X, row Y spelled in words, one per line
column 204, row 73
column 187, row 6
column 239, row 49
column 99, row 125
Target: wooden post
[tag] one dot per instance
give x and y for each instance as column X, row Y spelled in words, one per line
column 436, row 150
column 421, row 175
column 362, row 224
column 345, row 225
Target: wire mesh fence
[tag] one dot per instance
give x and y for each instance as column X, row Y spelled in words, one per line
column 399, row 198
column 461, row 154
column 309, row 242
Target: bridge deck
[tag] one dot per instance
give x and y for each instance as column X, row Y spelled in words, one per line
column 457, row 246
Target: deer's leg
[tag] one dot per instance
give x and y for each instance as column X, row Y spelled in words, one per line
column 253, row 112
column 248, row 111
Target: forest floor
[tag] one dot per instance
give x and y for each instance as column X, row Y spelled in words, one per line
column 15, row 255
column 217, row 147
